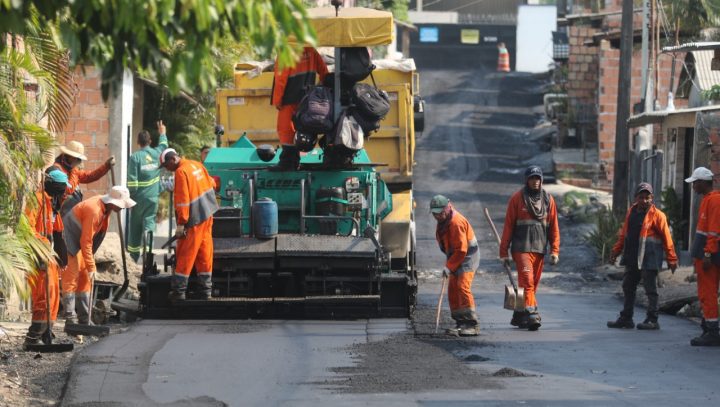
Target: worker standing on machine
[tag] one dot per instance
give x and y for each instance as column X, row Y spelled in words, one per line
column 41, row 220
column 641, row 240
column 457, row 240
column 85, row 228
column 71, row 157
column 143, row 181
column 531, row 223
column 289, row 87
column 705, row 255
column 195, row 204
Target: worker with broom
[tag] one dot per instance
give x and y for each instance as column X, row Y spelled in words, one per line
column 531, row 224
column 41, row 218
column 85, row 228
column 457, row 240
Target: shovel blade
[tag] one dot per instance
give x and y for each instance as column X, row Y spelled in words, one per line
column 50, row 348
column 514, row 301
column 87, row 330
column 520, row 299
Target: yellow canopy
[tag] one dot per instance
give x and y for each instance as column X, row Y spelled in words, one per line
column 353, row 27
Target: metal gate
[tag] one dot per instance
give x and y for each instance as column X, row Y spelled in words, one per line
column 645, row 166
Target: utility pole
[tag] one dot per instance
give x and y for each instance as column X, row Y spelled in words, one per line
column 620, row 176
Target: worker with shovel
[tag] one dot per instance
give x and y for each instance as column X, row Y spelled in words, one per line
column 85, row 228
column 706, row 255
column 641, row 240
column 457, row 240
column 531, row 224
column 143, row 181
column 41, row 219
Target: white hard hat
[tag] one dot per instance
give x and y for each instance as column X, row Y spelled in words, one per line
column 700, row 173
column 119, row 196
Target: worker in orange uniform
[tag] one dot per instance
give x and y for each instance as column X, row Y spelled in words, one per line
column 503, row 58
column 85, row 228
column 641, row 240
column 531, row 223
column 457, row 240
column 289, row 87
column 704, row 251
column 195, row 205
column 71, row 157
column 45, row 283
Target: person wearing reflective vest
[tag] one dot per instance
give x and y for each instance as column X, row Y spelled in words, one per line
column 85, row 228
column 289, row 87
column 531, row 224
column 143, row 181
column 706, row 256
column 641, row 240
column 503, row 58
column 41, row 219
column 195, row 205
column 71, row 157
column 456, row 239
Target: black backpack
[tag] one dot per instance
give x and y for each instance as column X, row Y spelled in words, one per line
column 355, row 64
column 314, row 114
column 369, row 106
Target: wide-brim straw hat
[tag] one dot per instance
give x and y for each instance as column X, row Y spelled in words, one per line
column 74, row 149
column 119, row 196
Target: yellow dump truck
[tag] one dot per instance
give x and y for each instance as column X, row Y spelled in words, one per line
column 246, row 109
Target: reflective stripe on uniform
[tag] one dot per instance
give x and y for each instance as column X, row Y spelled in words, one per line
column 201, row 208
column 142, row 184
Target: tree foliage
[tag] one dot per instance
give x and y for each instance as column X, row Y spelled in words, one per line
column 172, row 40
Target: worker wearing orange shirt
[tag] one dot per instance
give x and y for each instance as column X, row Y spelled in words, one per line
column 457, row 241
column 45, row 284
column 289, row 87
column 69, row 160
column 531, row 224
column 706, row 255
column 85, row 228
column 195, row 204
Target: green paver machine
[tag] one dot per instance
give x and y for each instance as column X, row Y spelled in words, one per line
column 342, row 248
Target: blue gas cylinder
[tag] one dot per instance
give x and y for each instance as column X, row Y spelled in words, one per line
column 265, row 218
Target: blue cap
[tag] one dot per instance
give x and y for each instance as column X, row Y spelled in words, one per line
column 58, row 176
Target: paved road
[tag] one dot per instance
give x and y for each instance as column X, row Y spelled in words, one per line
column 473, row 150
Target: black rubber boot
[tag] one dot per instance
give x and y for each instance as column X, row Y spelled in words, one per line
column 649, row 324
column 533, row 320
column 289, row 159
column 710, row 337
column 519, row 319
column 34, row 334
column 621, row 323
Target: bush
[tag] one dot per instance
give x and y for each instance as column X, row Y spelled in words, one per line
column 672, row 206
column 604, row 236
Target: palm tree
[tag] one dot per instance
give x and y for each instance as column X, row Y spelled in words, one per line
column 25, row 145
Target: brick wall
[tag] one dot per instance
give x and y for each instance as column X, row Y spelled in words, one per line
column 582, row 67
column 89, row 124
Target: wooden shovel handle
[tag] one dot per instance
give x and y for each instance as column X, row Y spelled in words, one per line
column 497, row 236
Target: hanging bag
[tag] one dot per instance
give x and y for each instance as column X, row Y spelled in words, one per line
column 370, row 105
column 314, row 114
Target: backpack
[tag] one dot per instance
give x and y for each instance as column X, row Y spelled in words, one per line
column 369, row 106
column 347, row 133
column 314, row 114
column 355, row 63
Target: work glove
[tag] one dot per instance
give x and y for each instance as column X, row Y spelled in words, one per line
column 180, row 232
column 91, row 276
column 505, row 261
column 110, row 161
column 446, row 272
column 161, row 127
column 554, row 259
column 673, row 267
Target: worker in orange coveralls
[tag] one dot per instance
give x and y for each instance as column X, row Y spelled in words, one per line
column 41, row 219
column 85, row 228
column 457, row 240
column 706, row 256
column 69, row 160
column 195, row 205
column 289, row 87
column 531, row 223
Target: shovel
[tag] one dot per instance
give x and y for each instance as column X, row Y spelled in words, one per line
column 514, row 296
column 439, row 304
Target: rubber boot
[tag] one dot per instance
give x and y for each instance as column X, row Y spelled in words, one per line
column 289, row 159
column 34, row 334
column 621, row 323
column 178, row 288
column 533, row 321
column 68, row 301
column 649, row 324
column 519, row 319
column 82, row 304
column 204, row 286
column 711, row 337
column 469, row 330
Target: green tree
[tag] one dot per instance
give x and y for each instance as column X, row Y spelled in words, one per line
column 174, row 41
column 691, row 16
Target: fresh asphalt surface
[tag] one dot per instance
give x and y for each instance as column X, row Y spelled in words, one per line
column 473, row 149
